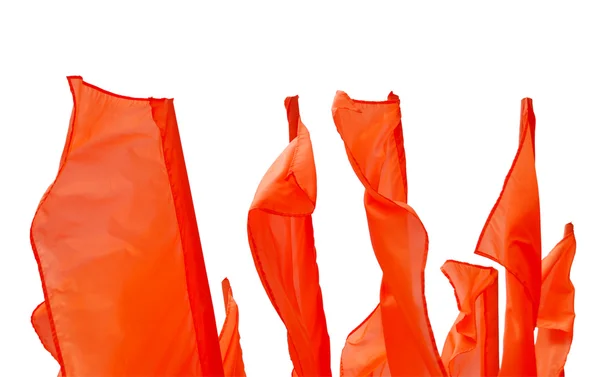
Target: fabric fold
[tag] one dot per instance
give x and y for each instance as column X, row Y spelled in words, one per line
column 556, row 315
column 117, row 246
column 364, row 353
column 471, row 348
column 280, row 234
column 41, row 325
column 372, row 135
column 229, row 338
column 511, row 237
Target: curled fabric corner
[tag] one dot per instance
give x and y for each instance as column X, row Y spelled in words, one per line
column 280, row 234
column 471, row 348
column 511, row 237
column 556, row 316
column 117, row 247
column 372, row 135
column 364, row 353
column 229, row 338
column 41, row 325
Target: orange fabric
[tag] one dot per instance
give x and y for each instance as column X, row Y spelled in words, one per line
column 229, row 338
column 41, row 325
column 372, row 135
column 557, row 308
column 364, row 352
column 280, row 234
column 471, row 348
column 117, row 246
column 511, row 237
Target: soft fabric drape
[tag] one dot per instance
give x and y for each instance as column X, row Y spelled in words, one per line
column 556, row 316
column 471, row 348
column 372, row 135
column 280, row 234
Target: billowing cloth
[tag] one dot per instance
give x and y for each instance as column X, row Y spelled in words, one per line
column 557, row 308
column 511, row 236
column 372, row 135
column 471, row 348
column 229, row 338
column 280, row 234
column 117, row 246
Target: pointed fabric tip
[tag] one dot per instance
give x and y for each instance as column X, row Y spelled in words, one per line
column 527, row 120
column 293, row 115
column 569, row 229
column 393, row 97
column 226, row 287
column 343, row 101
column 229, row 338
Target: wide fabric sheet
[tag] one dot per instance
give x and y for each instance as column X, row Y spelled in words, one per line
column 117, row 246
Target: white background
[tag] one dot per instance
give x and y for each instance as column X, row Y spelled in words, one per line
column 460, row 70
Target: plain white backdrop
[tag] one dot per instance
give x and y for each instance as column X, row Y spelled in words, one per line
column 460, row 70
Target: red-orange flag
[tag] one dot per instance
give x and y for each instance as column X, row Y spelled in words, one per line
column 471, row 348
column 229, row 338
column 364, row 354
column 280, row 234
column 117, row 246
column 511, row 236
column 557, row 308
column 372, row 135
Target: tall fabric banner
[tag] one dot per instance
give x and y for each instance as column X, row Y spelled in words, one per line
column 512, row 237
column 280, row 234
column 117, row 246
column 372, row 135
